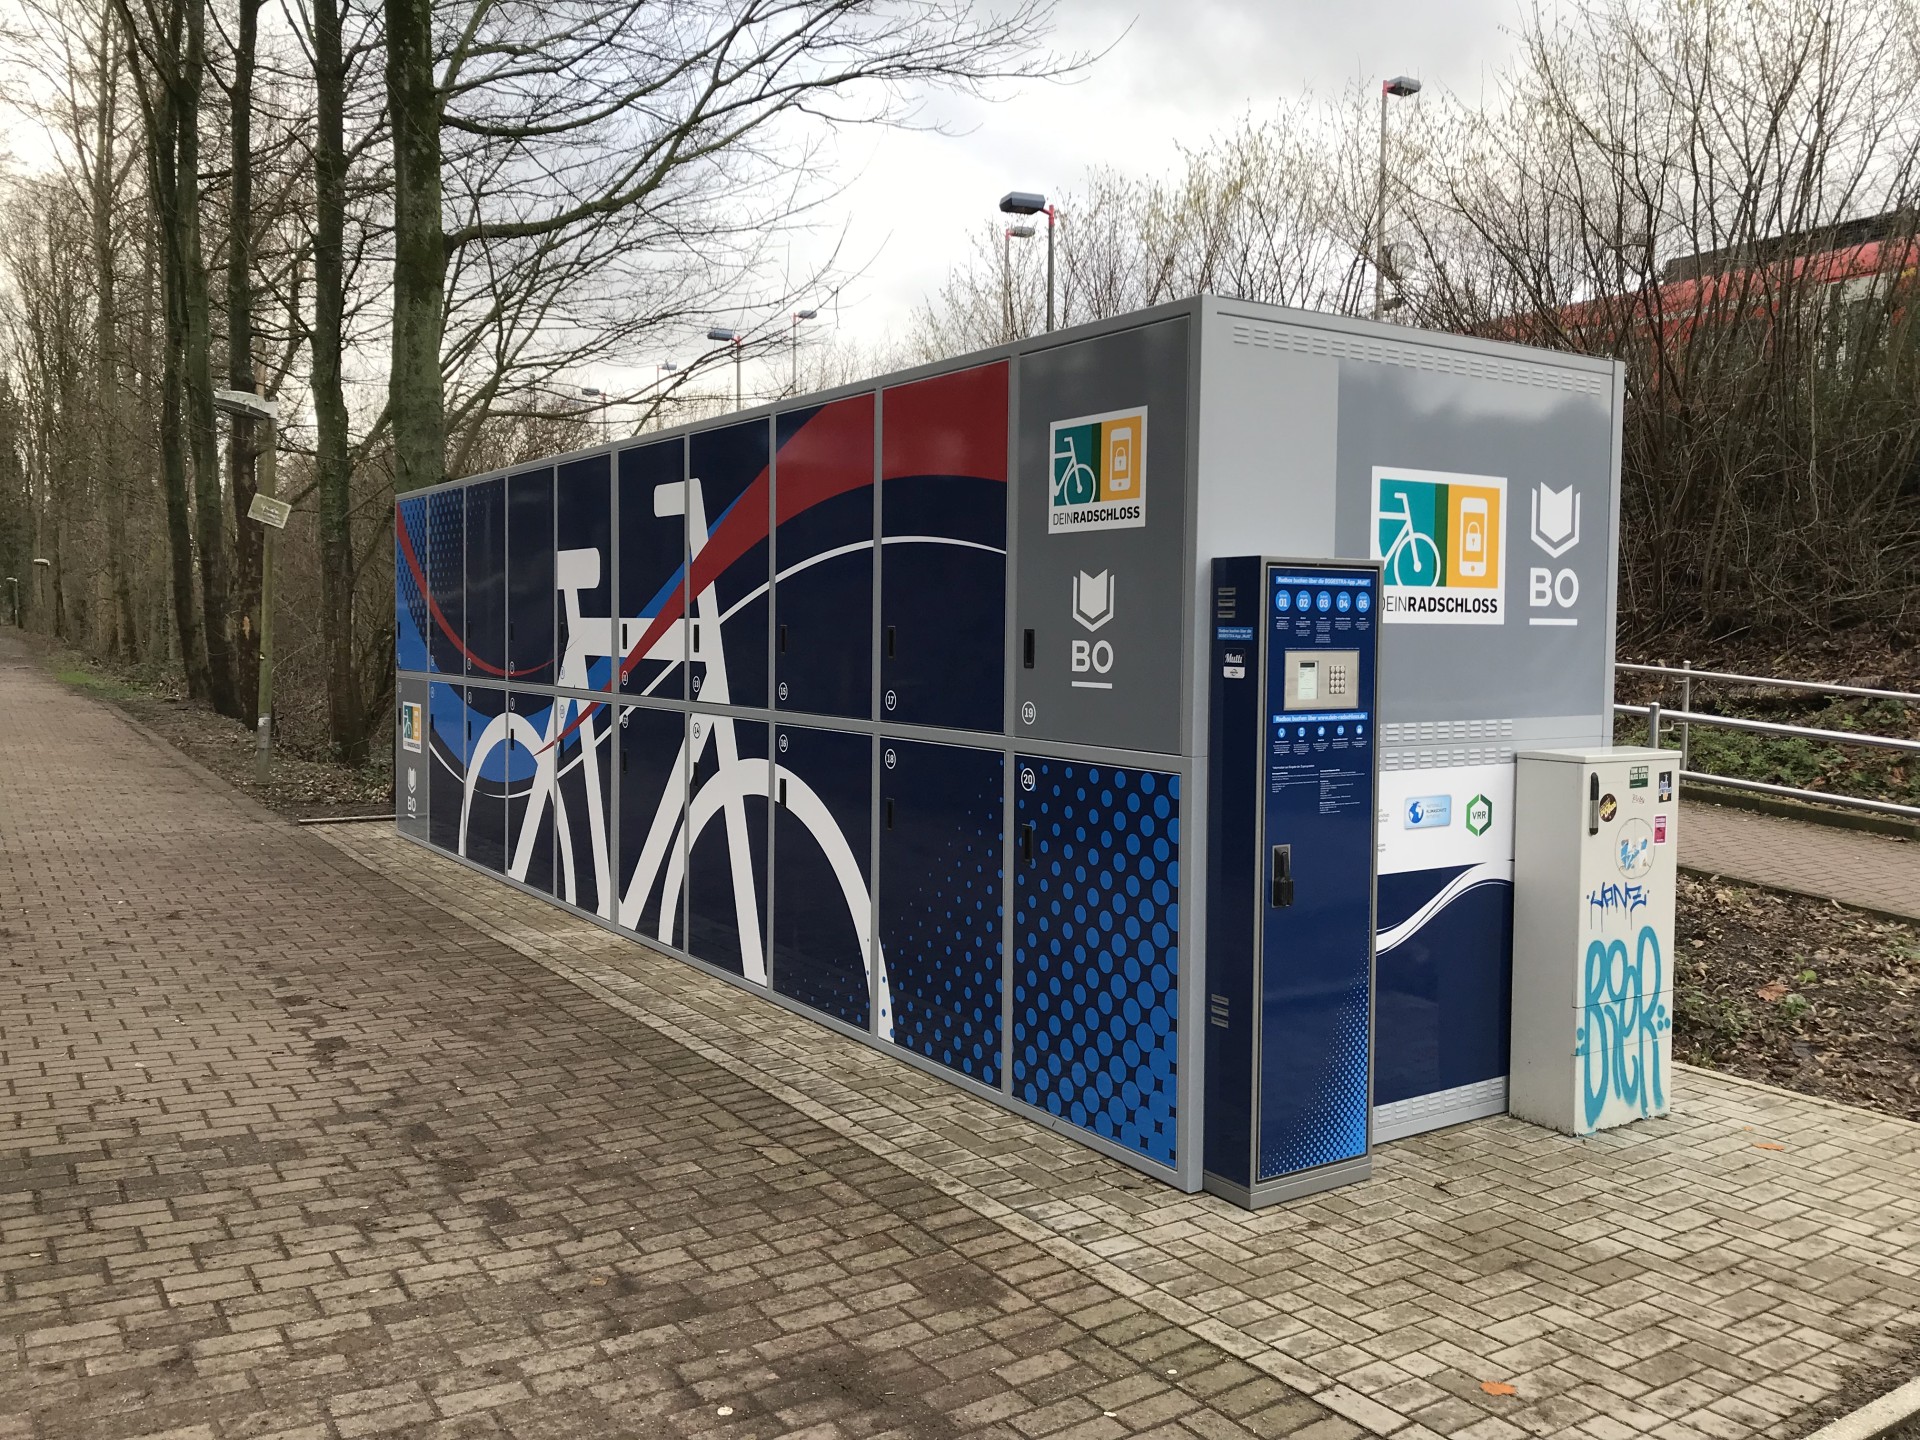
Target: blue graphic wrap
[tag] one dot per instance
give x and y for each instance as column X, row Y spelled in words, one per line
column 447, row 575
column 1097, row 957
column 411, row 619
column 940, row 910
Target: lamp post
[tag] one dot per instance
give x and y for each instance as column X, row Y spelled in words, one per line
column 606, row 412
column 1401, row 86
column 1026, row 202
column 733, row 338
column 1013, row 233
column 40, row 564
column 661, row 370
column 272, row 513
column 793, row 346
column 14, row 581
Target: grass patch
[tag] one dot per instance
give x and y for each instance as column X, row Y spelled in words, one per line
column 104, row 686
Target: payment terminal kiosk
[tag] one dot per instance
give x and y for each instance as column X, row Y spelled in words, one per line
column 1290, row 843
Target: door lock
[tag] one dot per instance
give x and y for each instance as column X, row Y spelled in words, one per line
column 1281, row 893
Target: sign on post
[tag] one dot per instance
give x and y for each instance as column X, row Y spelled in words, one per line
column 269, row 511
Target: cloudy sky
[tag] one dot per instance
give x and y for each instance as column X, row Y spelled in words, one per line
column 1179, row 71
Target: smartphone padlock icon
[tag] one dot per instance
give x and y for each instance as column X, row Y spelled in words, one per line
column 1120, row 461
column 1473, row 536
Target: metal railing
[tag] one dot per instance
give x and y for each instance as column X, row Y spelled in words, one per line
column 1683, row 719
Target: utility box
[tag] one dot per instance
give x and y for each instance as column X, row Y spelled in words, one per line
column 897, row 706
column 1291, row 818
column 1596, row 833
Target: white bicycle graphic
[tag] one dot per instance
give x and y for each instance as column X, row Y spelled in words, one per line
column 1404, row 565
column 1077, row 484
column 724, row 795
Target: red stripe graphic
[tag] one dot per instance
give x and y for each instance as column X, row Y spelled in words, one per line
column 426, row 592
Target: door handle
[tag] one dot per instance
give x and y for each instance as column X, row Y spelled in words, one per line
column 783, row 639
column 1593, row 803
column 1281, row 891
column 1026, row 842
column 890, row 642
column 1026, row 650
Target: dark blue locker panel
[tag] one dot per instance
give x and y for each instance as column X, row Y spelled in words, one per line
column 943, row 560
column 583, row 806
column 446, row 764
column 823, row 559
column 483, row 830
column 530, row 777
column 583, row 573
column 727, row 563
column 1234, row 876
column 1441, row 992
column 412, row 592
column 530, row 577
column 1096, row 959
column 941, row 837
column 652, row 570
column 446, row 559
column 727, row 849
column 822, row 844
column 486, row 645
column 1316, row 941
column 649, row 878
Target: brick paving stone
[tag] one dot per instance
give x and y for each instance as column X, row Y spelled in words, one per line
column 1855, row 867
column 286, row 1151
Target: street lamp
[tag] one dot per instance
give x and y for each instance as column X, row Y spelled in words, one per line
column 606, row 412
column 273, row 514
column 733, row 338
column 793, row 329
column 14, row 581
column 1026, row 202
column 1400, row 86
column 1011, row 234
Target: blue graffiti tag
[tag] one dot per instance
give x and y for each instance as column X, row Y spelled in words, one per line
column 1630, row 898
column 1619, row 1046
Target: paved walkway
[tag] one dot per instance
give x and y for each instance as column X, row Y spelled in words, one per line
column 1875, row 872
column 320, row 1134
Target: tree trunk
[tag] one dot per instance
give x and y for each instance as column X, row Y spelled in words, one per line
column 197, row 363
column 333, row 475
column 122, row 635
column 164, row 159
column 415, row 396
column 243, row 432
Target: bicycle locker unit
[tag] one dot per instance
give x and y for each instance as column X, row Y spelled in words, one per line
column 912, row 707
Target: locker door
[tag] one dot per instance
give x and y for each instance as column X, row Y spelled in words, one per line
column 484, row 829
column 530, row 786
column 446, row 561
column 583, row 809
column 943, row 550
column 447, row 751
column 823, row 559
column 652, row 640
column 727, row 844
column 583, row 544
column 486, row 645
column 823, row 844
column 1096, row 958
column 940, row 908
column 530, row 577
column 651, row 868
column 412, row 621
column 728, row 563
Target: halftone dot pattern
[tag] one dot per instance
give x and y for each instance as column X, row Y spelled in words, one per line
column 446, row 560
column 1334, row 1128
column 1097, row 957
column 943, row 945
column 410, row 615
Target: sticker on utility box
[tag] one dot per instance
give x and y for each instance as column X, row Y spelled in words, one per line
column 412, row 724
column 1099, row 472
